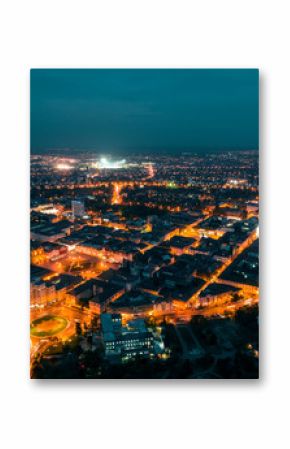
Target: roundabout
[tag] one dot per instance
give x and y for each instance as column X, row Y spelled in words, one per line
column 48, row 325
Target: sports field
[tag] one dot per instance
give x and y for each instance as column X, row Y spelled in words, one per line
column 48, row 325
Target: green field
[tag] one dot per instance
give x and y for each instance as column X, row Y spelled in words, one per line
column 47, row 326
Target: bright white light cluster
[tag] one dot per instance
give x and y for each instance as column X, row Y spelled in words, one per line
column 105, row 163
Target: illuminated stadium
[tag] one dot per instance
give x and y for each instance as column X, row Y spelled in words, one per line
column 105, row 163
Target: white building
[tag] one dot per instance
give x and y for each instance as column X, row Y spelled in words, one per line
column 78, row 208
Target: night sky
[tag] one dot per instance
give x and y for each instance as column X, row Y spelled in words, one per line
column 144, row 110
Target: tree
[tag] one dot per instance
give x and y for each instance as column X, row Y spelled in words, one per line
column 95, row 324
column 78, row 329
column 236, row 297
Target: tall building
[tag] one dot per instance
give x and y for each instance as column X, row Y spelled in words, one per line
column 125, row 342
column 78, row 208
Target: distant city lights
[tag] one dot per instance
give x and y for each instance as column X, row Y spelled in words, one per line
column 105, row 163
column 63, row 166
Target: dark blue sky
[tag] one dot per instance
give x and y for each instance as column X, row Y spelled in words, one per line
column 135, row 110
